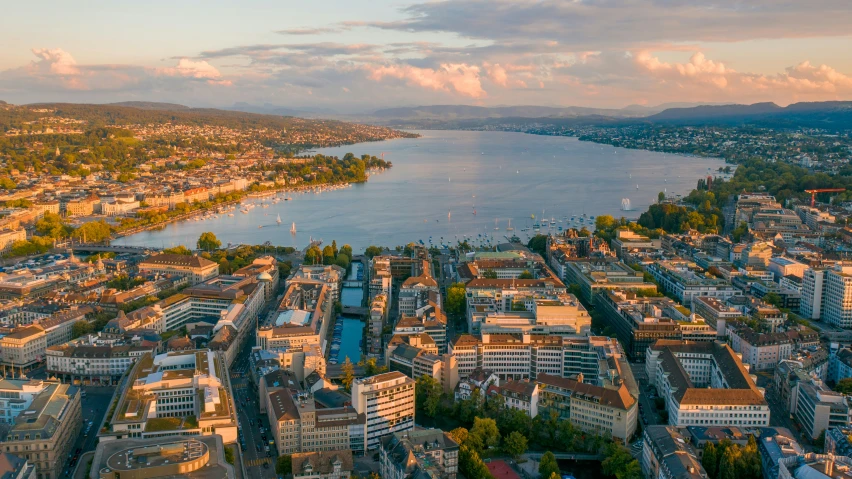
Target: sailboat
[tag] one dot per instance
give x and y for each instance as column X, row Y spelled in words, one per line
column 496, row 228
column 278, row 220
column 293, row 228
column 510, row 226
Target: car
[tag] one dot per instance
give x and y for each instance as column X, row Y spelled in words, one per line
column 266, row 465
column 267, row 448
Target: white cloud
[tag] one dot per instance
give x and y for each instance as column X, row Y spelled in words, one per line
column 460, row 78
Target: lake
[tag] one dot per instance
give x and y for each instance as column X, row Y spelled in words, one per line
column 437, row 183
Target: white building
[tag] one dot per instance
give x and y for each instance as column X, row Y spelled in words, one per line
column 387, row 400
column 837, row 309
column 16, row 395
column 813, row 290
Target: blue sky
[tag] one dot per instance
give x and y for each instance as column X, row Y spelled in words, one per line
column 361, row 55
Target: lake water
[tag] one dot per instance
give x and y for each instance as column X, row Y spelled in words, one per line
column 439, row 180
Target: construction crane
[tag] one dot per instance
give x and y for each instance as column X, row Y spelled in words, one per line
column 822, row 190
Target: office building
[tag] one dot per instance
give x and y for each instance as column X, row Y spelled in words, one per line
column 299, row 425
column 16, row 395
column 92, row 361
column 817, row 408
column 157, row 458
column 387, row 401
column 684, row 283
column 667, row 454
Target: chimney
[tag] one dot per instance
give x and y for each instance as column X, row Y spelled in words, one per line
column 580, row 377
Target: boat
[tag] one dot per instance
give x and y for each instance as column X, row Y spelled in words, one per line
column 293, row 227
column 278, row 219
column 509, row 228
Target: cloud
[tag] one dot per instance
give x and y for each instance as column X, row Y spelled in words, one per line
column 594, row 24
column 497, row 74
column 308, row 31
column 460, row 78
column 199, row 70
column 57, row 60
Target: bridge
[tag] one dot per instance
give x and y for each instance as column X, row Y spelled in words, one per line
column 356, row 311
column 103, row 248
column 353, row 283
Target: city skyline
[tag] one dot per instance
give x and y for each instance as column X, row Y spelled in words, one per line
column 351, row 57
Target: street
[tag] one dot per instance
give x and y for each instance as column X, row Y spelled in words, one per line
column 648, row 414
column 258, row 462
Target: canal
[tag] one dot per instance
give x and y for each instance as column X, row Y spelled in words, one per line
column 349, row 332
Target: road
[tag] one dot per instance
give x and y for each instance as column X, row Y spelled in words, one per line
column 93, row 408
column 779, row 415
column 648, row 414
column 259, row 464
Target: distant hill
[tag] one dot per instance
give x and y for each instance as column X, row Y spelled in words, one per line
column 461, row 112
column 151, row 105
column 270, row 109
column 832, row 115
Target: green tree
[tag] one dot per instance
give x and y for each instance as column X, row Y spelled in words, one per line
column 348, row 373
column 208, row 241
column 456, row 299
column 710, row 459
column 371, row 367
column 7, row 184
column 328, row 255
column 459, row 435
column 538, row 244
column 604, row 223
column 342, row 260
column 548, row 465
column 489, row 274
column 844, row 386
column 515, row 444
column 428, row 395
column 772, row 298
column 661, row 197
column 334, row 247
column 284, row 465
column 728, row 465
column 373, row 251
column 80, row 328
column 93, row 232
column 347, row 250
column 180, row 249
column 486, row 430
column 51, row 226
column 471, row 465
column 526, row 275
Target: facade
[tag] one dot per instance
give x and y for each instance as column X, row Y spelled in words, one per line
column 196, row 268
column 610, row 411
column 13, row 467
column 761, row 351
column 24, row 347
column 817, row 408
column 414, row 293
column 813, row 294
column 705, row 384
column 16, row 395
column 298, row 425
column 716, row 313
column 387, row 401
column 8, row 238
column 49, row 427
column 331, row 276
column 837, row 309
column 89, row 360
column 521, row 395
column 598, row 275
column 422, row 453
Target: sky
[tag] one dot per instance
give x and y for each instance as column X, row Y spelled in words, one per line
column 359, row 56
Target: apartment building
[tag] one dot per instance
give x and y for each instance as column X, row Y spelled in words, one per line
column 813, row 293
column 90, row 360
column 668, row 454
column 45, row 432
column 422, row 453
column 24, row 347
column 378, row 318
column 781, row 266
column 380, row 277
column 322, row 464
column 13, row 467
column 429, row 319
column 8, row 238
column 817, row 408
column 416, row 292
column 837, row 309
column 705, row 384
column 330, row 276
column 179, row 393
column 195, row 268
column 761, row 351
column 557, row 314
column 594, row 409
column 81, row 207
column 680, row 280
column 628, row 241
column 57, row 327
column 387, row 401
column 265, row 269
column 639, row 322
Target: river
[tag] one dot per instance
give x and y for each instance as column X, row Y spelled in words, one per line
column 439, row 180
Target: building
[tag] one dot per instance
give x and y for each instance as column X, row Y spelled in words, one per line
column 627, row 241
column 815, row 466
column 611, row 411
column 414, row 293
column 667, row 454
column 299, row 425
column 680, row 280
column 387, row 401
column 24, row 347
column 155, row 458
column 556, row 314
column 8, row 238
column 525, row 356
column 837, row 441
column 264, row 268
column 837, row 308
column 639, row 322
column 196, row 268
column 813, row 293
column 13, row 467
column 322, row 464
column 601, row 274
column 817, row 408
column 92, row 361
column 421, row 453
column 81, row 207
column 716, row 313
column 49, row 425
column 521, row 395
column 16, row 395
column 781, row 266
column 331, row 276
column 761, row 351
column 705, row 384
column 179, row 393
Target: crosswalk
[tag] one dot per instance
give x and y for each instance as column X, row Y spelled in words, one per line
column 259, row 461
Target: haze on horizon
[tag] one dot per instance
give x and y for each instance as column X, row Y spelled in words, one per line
column 349, row 56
